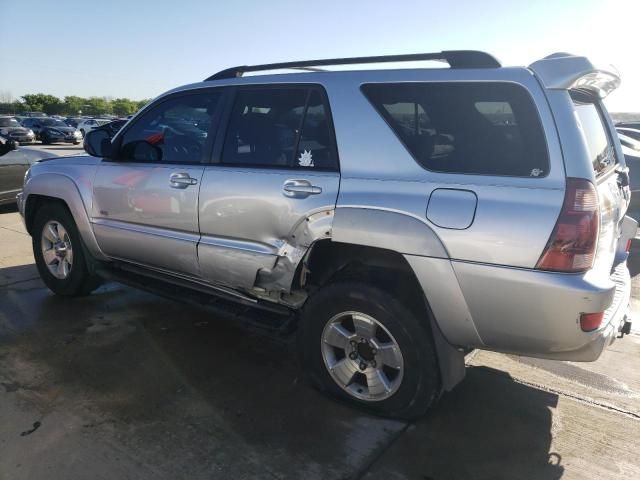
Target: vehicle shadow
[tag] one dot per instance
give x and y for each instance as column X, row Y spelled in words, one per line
column 176, row 387
column 489, row 427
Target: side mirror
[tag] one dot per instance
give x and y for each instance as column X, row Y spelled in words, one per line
column 97, row 143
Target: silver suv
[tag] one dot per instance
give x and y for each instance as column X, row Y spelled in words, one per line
column 398, row 218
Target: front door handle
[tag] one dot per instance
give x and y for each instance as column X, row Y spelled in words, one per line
column 300, row 189
column 181, row 180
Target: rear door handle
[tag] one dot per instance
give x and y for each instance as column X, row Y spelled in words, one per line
column 181, row 180
column 300, row 189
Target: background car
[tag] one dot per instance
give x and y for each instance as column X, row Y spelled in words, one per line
column 14, row 163
column 630, row 146
column 12, row 129
column 89, row 124
column 73, row 121
column 629, row 132
column 50, row 130
column 632, row 124
column 34, row 114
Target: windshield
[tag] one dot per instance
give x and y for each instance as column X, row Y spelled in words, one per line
column 52, row 122
column 9, row 122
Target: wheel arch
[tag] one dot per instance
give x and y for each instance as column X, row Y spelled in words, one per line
column 329, row 261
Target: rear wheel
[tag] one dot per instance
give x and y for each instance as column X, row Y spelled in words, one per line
column 60, row 256
column 366, row 346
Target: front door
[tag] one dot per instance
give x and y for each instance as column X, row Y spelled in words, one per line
column 275, row 168
column 145, row 202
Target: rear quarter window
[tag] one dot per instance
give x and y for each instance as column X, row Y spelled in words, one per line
column 488, row 128
column 592, row 124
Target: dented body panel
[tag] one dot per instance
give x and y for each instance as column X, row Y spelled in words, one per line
column 255, row 235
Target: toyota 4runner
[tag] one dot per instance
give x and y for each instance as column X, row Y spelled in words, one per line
column 397, row 218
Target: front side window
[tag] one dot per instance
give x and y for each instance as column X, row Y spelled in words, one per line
column 279, row 127
column 175, row 131
column 599, row 145
column 483, row 128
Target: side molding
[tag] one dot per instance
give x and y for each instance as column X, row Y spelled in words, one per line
column 63, row 188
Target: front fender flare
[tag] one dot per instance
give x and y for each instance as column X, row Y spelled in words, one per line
column 61, row 187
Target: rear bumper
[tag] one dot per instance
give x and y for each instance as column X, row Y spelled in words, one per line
column 535, row 313
column 525, row 312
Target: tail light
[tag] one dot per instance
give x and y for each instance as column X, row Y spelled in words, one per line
column 572, row 245
column 590, row 321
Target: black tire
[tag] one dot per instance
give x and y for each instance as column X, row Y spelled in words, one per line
column 80, row 280
column 76, row 143
column 45, row 141
column 82, row 132
column 405, row 320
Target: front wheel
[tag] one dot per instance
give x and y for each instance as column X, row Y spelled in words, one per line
column 60, row 256
column 366, row 346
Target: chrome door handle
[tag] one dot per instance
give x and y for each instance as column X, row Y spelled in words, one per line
column 181, row 180
column 300, row 188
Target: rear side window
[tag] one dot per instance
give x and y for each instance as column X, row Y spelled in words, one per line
column 601, row 151
column 488, row 128
column 281, row 128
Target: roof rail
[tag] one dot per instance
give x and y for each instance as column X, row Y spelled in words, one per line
column 455, row 59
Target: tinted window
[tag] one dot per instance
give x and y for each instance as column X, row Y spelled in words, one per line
column 601, row 151
column 175, row 131
column 475, row 128
column 279, row 127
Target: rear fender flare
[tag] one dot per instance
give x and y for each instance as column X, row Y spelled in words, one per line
column 386, row 229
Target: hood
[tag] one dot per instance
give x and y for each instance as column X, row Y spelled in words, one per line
column 14, row 129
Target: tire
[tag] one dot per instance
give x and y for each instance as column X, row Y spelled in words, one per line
column 79, row 280
column 410, row 390
column 76, row 143
column 82, row 132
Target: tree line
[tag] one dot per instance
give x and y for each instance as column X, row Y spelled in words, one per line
column 72, row 105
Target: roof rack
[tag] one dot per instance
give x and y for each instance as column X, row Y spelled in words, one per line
column 455, row 59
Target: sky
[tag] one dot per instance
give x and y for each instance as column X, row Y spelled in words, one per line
column 141, row 48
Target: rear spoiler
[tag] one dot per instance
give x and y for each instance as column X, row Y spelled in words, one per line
column 563, row 71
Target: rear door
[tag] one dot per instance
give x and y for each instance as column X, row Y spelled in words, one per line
column 274, row 167
column 611, row 173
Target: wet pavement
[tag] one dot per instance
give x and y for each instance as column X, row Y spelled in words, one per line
column 123, row 384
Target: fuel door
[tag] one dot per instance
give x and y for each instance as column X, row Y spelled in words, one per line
column 452, row 208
